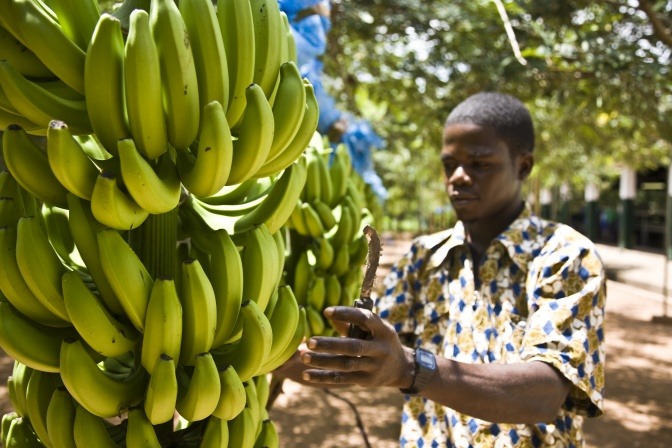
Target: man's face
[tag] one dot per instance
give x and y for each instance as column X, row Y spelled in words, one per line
column 482, row 180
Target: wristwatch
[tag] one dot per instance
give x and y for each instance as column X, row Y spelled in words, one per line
column 425, row 367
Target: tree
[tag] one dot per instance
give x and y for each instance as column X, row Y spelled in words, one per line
column 595, row 74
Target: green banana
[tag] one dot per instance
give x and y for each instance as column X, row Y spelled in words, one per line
column 263, row 390
column 303, row 274
column 41, row 386
column 101, row 395
column 268, row 31
column 39, row 105
column 29, row 166
column 40, row 265
column 104, row 82
column 199, row 307
column 332, row 296
column 254, row 137
column 324, row 253
column 252, row 402
column 232, row 397
column 162, row 390
column 313, row 222
column 278, row 205
column 260, row 266
column 68, row 161
column 312, row 190
column 300, row 141
column 326, row 186
column 199, row 399
column 237, row 28
column 84, row 227
column 300, row 333
column 178, row 73
column 21, row 435
column 102, row 331
column 114, row 208
column 59, row 88
column 341, row 264
column 242, row 432
column 240, row 193
column 254, row 345
column 61, row 418
column 44, row 36
column 206, row 172
column 297, row 222
column 341, row 235
column 154, row 187
column 32, row 344
column 128, row 277
column 78, row 22
column 7, row 420
column 215, row 434
column 15, row 288
column 140, row 433
column 21, row 374
column 339, row 173
column 268, row 436
column 163, row 325
column 207, row 44
column 317, row 292
column 10, row 118
column 9, row 213
column 90, row 430
column 227, row 284
column 289, row 37
column 316, row 323
column 20, row 57
column 142, row 85
column 283, row 321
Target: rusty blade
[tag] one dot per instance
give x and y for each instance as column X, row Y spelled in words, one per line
column 372, row 260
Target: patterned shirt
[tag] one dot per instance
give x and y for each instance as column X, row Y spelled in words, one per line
column 540, row 297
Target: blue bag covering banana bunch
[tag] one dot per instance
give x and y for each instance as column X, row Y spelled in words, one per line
column 153, row 156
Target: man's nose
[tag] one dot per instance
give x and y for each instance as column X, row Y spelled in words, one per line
column 460, row 176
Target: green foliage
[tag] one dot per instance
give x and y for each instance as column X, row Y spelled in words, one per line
column 596, row 78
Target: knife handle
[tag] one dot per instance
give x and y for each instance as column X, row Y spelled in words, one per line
column 355, row 331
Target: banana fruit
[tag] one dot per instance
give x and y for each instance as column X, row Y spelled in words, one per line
column 155, row 161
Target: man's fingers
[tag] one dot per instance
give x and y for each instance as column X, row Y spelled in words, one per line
column 340, row 346
column 333, row 377
column 361, row 317
column 336, row 362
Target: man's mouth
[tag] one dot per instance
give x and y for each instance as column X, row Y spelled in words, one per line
column 460, row 198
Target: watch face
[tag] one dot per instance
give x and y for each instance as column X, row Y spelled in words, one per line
column 426, row 359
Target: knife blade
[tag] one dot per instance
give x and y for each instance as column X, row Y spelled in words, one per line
column 372, row 260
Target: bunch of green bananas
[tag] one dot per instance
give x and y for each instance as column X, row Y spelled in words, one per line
column 328, row 247
column 154, row 155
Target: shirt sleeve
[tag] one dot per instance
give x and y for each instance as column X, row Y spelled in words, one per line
column 566, row 299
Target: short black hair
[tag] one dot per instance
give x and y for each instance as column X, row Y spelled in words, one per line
column 506, row 114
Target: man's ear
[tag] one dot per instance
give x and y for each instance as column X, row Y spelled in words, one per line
column 526, row 162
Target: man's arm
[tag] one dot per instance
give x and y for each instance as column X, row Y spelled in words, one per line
column 516, row 393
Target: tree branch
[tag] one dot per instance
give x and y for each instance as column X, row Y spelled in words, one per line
column 661, row 31
column 509, row 32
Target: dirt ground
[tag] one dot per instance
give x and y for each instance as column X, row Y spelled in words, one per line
column 638, row 409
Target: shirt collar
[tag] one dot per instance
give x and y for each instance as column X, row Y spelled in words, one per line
column 526, row 225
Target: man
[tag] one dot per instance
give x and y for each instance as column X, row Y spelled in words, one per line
column 493, row 329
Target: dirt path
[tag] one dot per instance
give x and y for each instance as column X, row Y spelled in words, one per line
column 638, row 400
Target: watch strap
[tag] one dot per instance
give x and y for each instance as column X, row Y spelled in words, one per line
column 421, row 373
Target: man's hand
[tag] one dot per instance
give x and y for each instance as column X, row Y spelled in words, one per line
column 376, row 362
